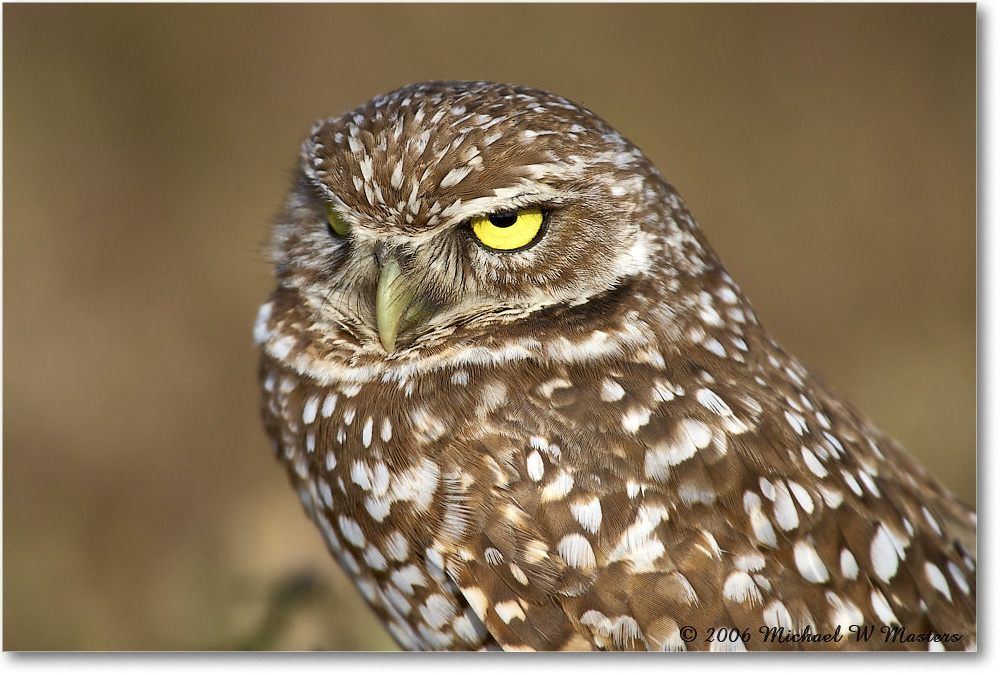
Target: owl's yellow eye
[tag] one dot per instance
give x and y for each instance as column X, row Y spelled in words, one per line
column 509, row 230
column 339, row 226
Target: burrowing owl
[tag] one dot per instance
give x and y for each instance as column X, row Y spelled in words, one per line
column 528, row 408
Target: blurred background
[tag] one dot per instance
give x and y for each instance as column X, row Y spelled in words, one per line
column 829, row 152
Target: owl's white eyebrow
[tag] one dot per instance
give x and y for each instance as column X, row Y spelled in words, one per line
column 463, row 211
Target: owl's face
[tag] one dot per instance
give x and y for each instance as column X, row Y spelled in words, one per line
column 437, row 211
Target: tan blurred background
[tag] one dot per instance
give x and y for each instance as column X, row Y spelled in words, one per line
column 829, row 152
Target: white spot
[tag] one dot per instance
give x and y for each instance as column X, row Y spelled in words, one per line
column 577, row 551
column 469, row 628
column 559, row 487
column 848, row 565
column 396, row 179
column 713, row 551
column 374, row 558
column 366, row 433
column 538, row 442
column 713, row 402
column 632, row 489
column 663, row 391
column 875, row 449
column 689, row 436
column 351, row 390
column 750, row 562
column 776, row 615
column 546, row 388
column 518, row 574
column 282, row 347
column 882, row 608
column 834, row 442
column 767, row 488
column 845, row 613
column 309, row 410
column 637, row 544
column 784, row 508
column 597, row 621
column 396, row 547
column 378, row 508
column 931, row 521
column 693, row 493
column 739, row 587
column 708, row 313
column 958, row 577
column 455, row 176
column 714, row 346
column 852, row 483
column 697, row 433
column 476, row 599
column 635, row 419
column 366, row 167
column 937, row 579
column 360, row 475
column 872, row 487
column 456, row 519
column 832, row 498
column 588, row 514
column 761, row 526
column 625, row 632
column 386, row 433
column 417, row 484
column 611, row 391
column 348, row 561
column 269, row 382
column 427, row 427
column 809, row 564
column 331, row 461
column 367, row 589
column 260, row 330
column 437, row 610
column 801, row 496
column 794, row 375
column 493, row 556
column 508, row 611
column 301, row 466
column 348, row 416
column 460, row 377
column 536, row 468
column 884, row 554
column 351, row 531
column 812, row 463
column 379, row 479
column 397, row 599
column 727, row 645
column 405, row 578
column 325, row 492
column 797, row 422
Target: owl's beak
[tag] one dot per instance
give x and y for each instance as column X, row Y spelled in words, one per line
column 395, row 309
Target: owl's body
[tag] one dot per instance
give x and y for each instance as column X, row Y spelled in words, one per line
column 528, row 408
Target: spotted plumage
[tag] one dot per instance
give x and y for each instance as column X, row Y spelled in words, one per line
column 578, row 436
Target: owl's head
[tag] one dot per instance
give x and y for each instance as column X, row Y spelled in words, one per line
column 444, row 208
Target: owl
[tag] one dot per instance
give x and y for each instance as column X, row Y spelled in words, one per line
column 528, row 409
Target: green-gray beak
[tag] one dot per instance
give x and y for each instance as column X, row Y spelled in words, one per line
column 395, row 310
